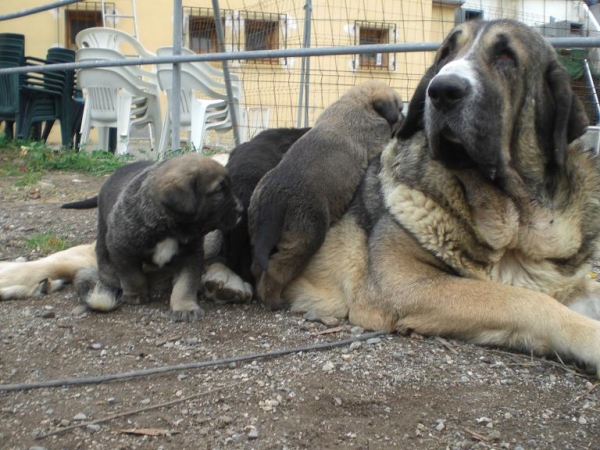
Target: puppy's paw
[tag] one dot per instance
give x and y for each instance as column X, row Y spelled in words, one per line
column 187, row 312
column 222, row 285
column 134, row 299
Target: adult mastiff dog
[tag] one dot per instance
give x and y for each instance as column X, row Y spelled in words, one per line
column 480, row 222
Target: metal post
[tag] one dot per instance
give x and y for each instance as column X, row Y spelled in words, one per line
column 303, row 71
column 175, row 100
column 37, row 9
column 230, row 101
column 307, row 73
column 594, row 94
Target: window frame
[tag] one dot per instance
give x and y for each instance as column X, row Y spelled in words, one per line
column 382, row 33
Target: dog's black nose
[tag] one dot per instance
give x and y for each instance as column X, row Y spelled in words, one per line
column 446, row 91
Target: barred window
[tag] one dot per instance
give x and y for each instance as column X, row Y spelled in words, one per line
column 80, row 16
column 202, row 30
column 263, row 32
column 369, row 33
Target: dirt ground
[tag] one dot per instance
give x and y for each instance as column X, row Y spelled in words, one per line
column 388, row 392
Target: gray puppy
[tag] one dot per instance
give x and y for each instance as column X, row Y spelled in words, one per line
column 294, row 204
column 157, row 215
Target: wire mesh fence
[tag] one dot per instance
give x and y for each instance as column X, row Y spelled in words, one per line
column 289, row 89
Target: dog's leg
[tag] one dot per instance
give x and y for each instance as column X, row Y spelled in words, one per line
column 46, row 275
column 130, row 273
column 187, row 282
column 293, row 252
column 421, row 297
column 222, row 285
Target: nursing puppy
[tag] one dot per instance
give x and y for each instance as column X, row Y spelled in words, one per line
column 294, row 204
column 228, row 278
column 158, row 214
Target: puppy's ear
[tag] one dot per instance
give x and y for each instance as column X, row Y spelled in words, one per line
column 570, row 120
column 416, row 107
column 388, row 108
column 180, row 196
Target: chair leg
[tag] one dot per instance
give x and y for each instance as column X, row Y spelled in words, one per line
column 123, row 122
column 162, row 145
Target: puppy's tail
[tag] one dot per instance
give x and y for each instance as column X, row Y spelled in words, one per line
column 93, row 293
column 88, row 203
column 268, row 231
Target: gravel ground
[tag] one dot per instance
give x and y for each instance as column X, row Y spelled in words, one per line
column 388, row 392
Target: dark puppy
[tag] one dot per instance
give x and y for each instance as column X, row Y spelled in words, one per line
column 246, row 165
column 294, row 205
column 158, row 214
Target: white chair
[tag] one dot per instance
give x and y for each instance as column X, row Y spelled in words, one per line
column 116, row 98
column 198, row 115
column 107, row 105
column 101, row 37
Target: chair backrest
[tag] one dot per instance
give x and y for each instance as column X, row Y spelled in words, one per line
column 9, row 92
column 101, row 37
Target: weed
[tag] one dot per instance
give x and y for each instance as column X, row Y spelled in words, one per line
column 46, row 243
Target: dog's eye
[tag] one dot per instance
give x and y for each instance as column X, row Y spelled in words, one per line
column 502, row 51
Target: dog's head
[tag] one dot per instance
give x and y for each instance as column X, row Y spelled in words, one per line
column 197, row 189
column 496, row 97
column 384, row 100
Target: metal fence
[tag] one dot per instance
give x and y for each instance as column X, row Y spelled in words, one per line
column 294, row 62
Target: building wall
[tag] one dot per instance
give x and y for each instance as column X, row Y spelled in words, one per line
column 276, row 86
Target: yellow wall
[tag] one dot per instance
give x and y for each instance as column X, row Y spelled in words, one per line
column 276, row 86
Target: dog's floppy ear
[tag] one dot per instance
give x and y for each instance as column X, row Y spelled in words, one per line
column 180, row 196
column 570, row 119
column 416, row 108
column 388, row 108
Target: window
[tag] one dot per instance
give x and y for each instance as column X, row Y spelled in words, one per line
column 201, row 30
column 369, row 33
column 203, row 35
column 262, row 32
column 464, row 15
column 83, row 15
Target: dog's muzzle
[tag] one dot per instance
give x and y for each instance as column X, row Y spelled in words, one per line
column 447, row 92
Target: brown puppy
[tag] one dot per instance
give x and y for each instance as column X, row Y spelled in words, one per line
column 158, row 214
column 294, row 204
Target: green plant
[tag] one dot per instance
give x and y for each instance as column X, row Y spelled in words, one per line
column 46, row 243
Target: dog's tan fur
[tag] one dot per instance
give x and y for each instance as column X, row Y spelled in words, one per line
column 295, row 203
column 46, row 275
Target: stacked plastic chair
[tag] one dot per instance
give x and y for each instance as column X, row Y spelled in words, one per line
column 203, row 99
column 50, row 96
column 12, row 54
column 116, row 97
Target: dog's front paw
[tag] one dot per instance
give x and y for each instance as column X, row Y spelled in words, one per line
column 222, row 285
column 134, row 299
column 187, row 312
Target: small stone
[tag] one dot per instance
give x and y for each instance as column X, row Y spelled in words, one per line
column 495, row 435
column 79, row 310
column 357, row 330
column 484, row 421
column 96, row 346
column 373, row 341
column 37, row 447
column 48, row 315
column 182, row 376
column 226, row 420
column 582, row 420
column 328, row 367
column 356, row 345
column 111, row 400
column 93, row 427
column 311, row 316
column 64, row 423
column 80, row 416
column 440, row 424
column 329, row 321
column 49, row 411
column 146, row 401
column 337, row 401
column 253, row 433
